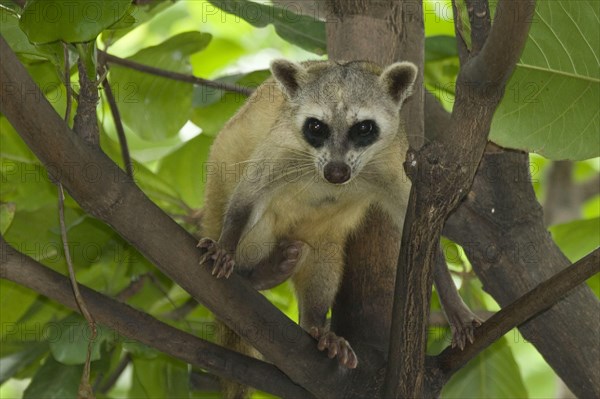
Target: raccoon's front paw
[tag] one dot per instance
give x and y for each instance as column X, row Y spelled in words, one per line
column 336, row 346
column 218, row 259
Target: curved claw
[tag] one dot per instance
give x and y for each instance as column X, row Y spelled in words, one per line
column 463, row 329
column 219, row 261
column 336, row 346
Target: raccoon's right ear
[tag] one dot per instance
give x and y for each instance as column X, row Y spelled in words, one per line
column 289, row 75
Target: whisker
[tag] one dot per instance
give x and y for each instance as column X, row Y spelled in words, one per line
column 303, row 170
column 258, row 160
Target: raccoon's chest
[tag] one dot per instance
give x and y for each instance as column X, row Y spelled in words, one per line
column 309, row 213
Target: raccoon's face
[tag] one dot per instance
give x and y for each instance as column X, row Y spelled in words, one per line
column 345, row 114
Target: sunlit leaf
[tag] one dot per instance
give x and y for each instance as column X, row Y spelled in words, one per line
column 7, row 214
column 551, row 102
column 303, row 31
column 154, row 107
column 577, row 239
column 185, row 168
column 492, row 374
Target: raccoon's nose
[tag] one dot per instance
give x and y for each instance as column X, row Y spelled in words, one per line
column 337, row 172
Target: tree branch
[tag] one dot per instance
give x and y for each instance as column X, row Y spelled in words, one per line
column 529, row 305
column 502, row 49
column 132, row 323
column 442, row 173
column 115, row 199
column 106, row 57
column 479, row 17
column 85, row 123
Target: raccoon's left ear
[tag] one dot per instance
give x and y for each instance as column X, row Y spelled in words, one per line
column 398, row 79
column 289, row 75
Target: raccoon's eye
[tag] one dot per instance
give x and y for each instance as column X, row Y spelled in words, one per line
column 365, row 128
column 315, row 132
column 315, row 126
column 363, row 133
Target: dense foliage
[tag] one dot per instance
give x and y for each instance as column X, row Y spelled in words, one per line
column 550, row 109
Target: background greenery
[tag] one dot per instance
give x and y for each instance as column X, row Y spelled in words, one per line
column 550, row 108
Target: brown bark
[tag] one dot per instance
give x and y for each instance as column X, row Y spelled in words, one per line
column 501, row 227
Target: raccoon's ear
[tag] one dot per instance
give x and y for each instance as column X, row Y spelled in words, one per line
column 398, row 79
column 289, row 75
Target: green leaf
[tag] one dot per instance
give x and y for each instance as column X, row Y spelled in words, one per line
column 135, row 16
column 494, row 373
column 551, row 102
column 54, row 381
column 577, row 239
column 71, row 21
column 16, row 362
column 303, row 31
column 70, row 340
column 7, row 214
column 15, row 37
column 159, row 378
column 13, row 147
column 440, row 47
column 219, row 53
column 185, row 168
column 140, row 350
column 213, row 108
column 14, row 302
column 155, row 108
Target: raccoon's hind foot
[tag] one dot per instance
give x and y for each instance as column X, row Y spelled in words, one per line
column 463, row 325
column 336, row 346
column 277, row 267
column 219, row 259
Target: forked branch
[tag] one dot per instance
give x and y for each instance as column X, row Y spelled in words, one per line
column 442, row 173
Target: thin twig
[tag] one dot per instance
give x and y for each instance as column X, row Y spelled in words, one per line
column 68, row 87
column 85, row 390
column 174, row 75
column 118, row 123
column 114, row 376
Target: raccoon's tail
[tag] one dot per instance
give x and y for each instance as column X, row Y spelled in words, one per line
column 229, row 339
